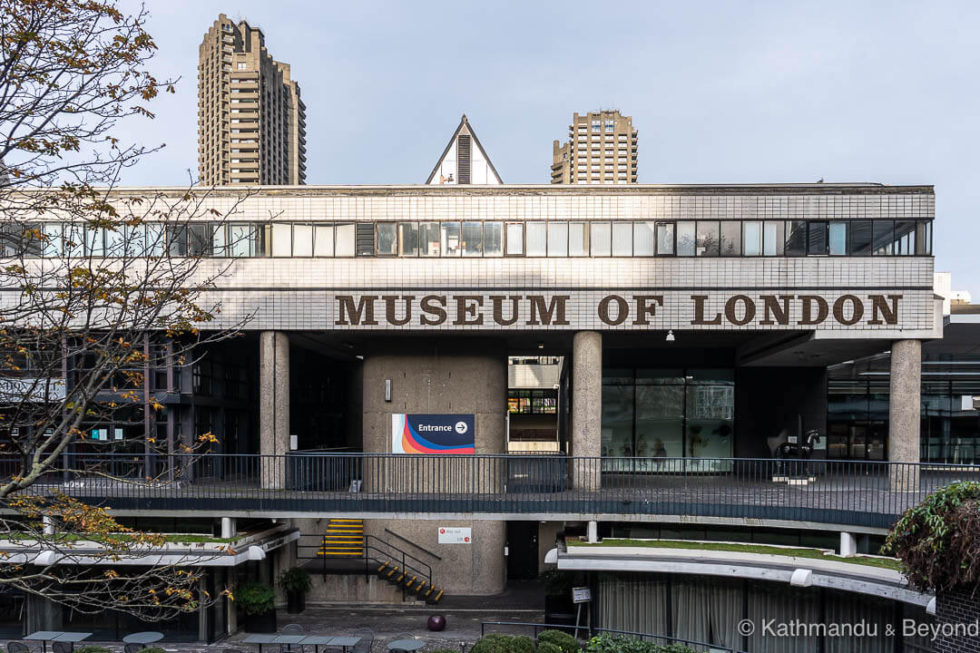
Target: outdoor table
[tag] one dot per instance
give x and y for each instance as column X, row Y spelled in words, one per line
column 145, row 637
column 316, row 641
column 45, row 636
column 343, row 642
column 273, row 638
column 405, row 645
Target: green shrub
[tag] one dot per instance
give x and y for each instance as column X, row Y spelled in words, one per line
column 522, row 644
column 938, row 541
column 492, row 643
column 500, row 643
column 609, row 643
column 153, row 649
column 296, row 579
column 255, row 598
column 565, row 642
column 446, row 650
column 548, row 647
column 92, row 649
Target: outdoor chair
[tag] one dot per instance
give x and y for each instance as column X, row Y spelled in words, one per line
column 367, row 640
column 292, row 629
column 133, row 648
column 17, row 647
column 61, row 647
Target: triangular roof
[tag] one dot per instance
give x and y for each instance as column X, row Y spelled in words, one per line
column 463, row 128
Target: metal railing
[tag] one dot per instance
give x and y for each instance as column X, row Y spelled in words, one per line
column 871, row 494
column 592, row 631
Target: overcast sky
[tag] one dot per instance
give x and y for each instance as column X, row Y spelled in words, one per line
column 719, row 91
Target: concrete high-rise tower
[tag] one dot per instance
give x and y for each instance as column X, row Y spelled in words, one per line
column 601, row 149
column 251, row 121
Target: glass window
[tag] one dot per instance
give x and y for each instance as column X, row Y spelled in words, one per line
column 115, row 241
column 493, row 238
column 52, row 239
column 94, row 241
column 837, row 238
column 323, row 240
column 578, row 239
column 536, row 239
column 923, row 238
column 154, row 239
column 883, row 236
column 686, row 241
column 772, row 238
column 905, row 237
column 796, row 238
column 816, row 238
column 449, row 238
column 386, row 239
column 429, row 239
column 302, row 240
column 731, row 238
column 73, row 240
column 282, row 239
column 198, row 239
column 408, row 239
column 557, row 239
column 860, row 233
column 622, row 239
column 515, row 239
column 219, row 241
column 344, row 240
column 177, row 241
column 665, row 239
column 643, row 238
column 752, row 238
column 472, row 239
column 241, row 240
column 708, row 238
column 601, row 238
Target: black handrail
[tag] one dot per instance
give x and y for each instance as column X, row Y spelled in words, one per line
column 400, row 556
column 870, row 494
column 405, row 539
column 629, row 633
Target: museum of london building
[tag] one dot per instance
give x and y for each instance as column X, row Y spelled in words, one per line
column 672, row 332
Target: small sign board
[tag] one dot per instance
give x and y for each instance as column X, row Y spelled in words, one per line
column 581, row 595
column 455, row 535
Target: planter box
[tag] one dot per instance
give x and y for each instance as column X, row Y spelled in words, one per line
column 295, row 602
column 261, row 623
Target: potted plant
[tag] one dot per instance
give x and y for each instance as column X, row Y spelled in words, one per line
column 296, row 581
column 257, row 602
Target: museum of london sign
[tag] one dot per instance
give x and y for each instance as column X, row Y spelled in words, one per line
column 640, row 310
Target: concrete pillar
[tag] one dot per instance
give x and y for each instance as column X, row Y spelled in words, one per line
column 228, row 527
column 904, row 405
column 586, row 408
column 848, row 545
column 593, row 532
column 273, row 407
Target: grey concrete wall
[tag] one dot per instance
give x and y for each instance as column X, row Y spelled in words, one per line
column 436, row 376
column 273, row 405
column 441, row 376
column 904, row 408
column 474, row 569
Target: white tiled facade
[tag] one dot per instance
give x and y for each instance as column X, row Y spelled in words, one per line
column 301, row 293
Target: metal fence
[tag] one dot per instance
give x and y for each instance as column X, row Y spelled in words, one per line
column 859, row 493
column 512, row 627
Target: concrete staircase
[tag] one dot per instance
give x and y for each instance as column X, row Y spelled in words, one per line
column 343, row 538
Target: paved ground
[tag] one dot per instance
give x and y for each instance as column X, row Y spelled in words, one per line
column 521, row 602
